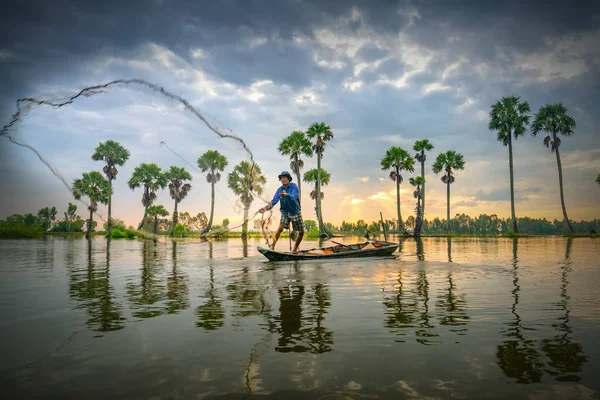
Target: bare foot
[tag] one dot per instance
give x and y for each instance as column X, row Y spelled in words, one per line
column 273, row 247
column 295, row 251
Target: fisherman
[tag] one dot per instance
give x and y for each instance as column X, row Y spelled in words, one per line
column 288, row 193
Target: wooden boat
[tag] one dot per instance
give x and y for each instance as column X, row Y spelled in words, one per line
column 372, row 248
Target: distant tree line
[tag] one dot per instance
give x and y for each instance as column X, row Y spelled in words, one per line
column 463, row 224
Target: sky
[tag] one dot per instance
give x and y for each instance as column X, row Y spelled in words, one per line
column 379, row 73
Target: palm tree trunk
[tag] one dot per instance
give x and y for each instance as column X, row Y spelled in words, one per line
column 174, row 219
column 141, row 225
column 322, row 229
column 146, row 195
column 155, row 224
column 109, row 225
column 299, row 181
column 318, row 187
column 423, row 191
column 400, row 224
column 512, row 185
column 245, row 224
column 88, row 235
column 560, row 181
column 212, row 207
column 448, row 204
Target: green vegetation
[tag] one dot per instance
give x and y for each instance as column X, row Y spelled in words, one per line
column 509, row 117
column 246, row 180
column 155, row 212
column 448, row 162
column 554, row 120
column 421, row 146
column 150, row 178
column 296, row 145
column 113, row 154
column 214, row 163
column 94, row 186
column 178, row 188
column 321, row 134
column 398, row 160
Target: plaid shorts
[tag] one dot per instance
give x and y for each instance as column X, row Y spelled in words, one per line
column 297, row 222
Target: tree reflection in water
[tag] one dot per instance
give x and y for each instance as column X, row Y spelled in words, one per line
column 565, row 357
column 517, row 356
column 147, row 297
column 400, row 312
column 245, row 247
column 452, row 307
column 91, row 288
column 420, row 251
column 449, row 241
column 300, row 323
column 177, row 286
column 424, row 333
column 211, row 315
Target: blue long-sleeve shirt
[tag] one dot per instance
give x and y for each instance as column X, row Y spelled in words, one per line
column 290, row 204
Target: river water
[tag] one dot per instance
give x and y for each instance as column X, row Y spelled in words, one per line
column 444, row 318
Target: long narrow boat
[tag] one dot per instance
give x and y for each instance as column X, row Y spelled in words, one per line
column 373, row 248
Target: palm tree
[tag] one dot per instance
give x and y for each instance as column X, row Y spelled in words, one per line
column 312, row 175
column 245, row 181
column 151, row 178
column 96, row 188
column 296, row 145
column 399, row 160
column 321, row 134
column 509, row 117
column 178, row 188
column 113, row 154
column 212, row 161
column 553, row 119
column 418, row 182
column 421, row 146
column 448, row 161
column 156, row 211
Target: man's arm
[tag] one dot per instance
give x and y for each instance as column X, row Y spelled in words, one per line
column 273, row 202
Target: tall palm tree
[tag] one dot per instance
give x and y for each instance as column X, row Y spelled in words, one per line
column 178, row 188
column 509, row 117
column 151, row 178
column 96, row 188
column 295, row 145
column 213, row 162
column 113, row 154
column 553, row 119
column 156, row 211
column 320, row 133
column 418, row 182
column 399, row 160
column 246, row 181
column 448, row 162
column 420, row 147
column 312, row 175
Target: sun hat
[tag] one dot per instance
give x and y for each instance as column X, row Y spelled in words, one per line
column 285, row 173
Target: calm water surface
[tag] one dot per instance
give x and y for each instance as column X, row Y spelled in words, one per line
column 445, row 318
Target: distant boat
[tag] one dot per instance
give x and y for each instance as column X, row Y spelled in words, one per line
column 372, row 248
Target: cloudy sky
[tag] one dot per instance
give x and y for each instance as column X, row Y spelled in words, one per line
column 380, row 73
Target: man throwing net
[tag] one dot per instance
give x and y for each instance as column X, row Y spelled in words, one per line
column 290, row 208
